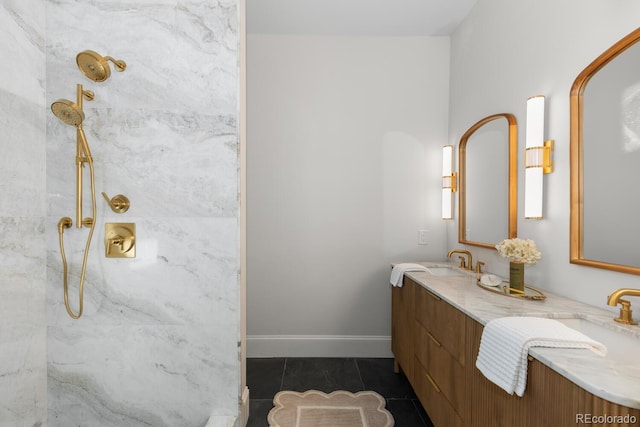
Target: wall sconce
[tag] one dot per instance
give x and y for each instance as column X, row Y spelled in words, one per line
column 537, row 158
column 448, row 182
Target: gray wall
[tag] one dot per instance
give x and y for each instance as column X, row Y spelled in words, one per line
column 496, row 64
column 158, row 341
column 344, row 169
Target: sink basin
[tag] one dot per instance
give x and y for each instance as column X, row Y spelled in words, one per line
column 620, row 346
column 444, row 271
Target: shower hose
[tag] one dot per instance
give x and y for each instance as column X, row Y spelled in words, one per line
column 66, row 223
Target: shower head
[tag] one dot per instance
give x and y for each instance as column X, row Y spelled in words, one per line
column 68, row 112
column 71, row 114
column 96, row 67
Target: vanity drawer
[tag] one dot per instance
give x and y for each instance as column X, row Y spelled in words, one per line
column 443, row 321
column 443, row 368
column 434, row 402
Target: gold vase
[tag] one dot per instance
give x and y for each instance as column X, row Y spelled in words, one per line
column 516, row 276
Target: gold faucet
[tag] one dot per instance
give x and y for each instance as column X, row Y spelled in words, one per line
column 625, row 311
column 462, row 260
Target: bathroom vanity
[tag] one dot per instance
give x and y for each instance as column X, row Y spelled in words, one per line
column 437, row 323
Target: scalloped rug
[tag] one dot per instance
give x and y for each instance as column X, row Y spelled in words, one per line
column 337, row 409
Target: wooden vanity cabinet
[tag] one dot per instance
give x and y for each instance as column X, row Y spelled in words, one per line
column 402, row 325
column 436, row 345
column 549, row 399
column 439, row 367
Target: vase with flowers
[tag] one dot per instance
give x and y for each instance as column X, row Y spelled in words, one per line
column 520, row 252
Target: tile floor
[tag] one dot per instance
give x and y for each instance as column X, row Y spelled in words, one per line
column 267, row 376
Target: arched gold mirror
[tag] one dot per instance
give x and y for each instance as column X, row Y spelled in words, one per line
column 605, row 160
column 488, row 181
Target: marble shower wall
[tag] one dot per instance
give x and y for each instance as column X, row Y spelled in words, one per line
column 158, row 342
column 22, row 214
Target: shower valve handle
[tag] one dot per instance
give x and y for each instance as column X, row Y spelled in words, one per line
column 118, row 204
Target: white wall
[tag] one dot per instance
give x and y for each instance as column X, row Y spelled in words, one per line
column 344, row 169
column 505, row 52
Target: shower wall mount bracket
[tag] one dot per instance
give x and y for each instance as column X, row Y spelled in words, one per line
column 120, row 239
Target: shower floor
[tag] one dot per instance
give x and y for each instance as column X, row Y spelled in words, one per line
column 267, row 376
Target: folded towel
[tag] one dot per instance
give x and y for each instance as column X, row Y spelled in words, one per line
column 397, row 273
column 505, row 344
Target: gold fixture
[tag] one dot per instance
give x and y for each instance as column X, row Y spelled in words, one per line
column 512, row 208
column 463, row 265
column 118, row 204
column 433, row 382
column 96, row 67
column 625, row 311
column 479, row 265
column 529, row 293
column 448, row 182
column 120, row 239
column 72, row 114
column 432, row 338
column 540, row 157
column 579, row 170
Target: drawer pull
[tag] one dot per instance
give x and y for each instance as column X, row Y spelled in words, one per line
column 435, row 341
column 434, row 296
column 433, row 383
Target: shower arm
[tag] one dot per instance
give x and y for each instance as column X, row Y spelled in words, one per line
column 118, row 63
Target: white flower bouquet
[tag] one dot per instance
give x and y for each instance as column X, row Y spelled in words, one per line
column 519, row 250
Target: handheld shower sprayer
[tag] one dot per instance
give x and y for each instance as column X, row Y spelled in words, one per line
column 96, row 67
column 72, row 114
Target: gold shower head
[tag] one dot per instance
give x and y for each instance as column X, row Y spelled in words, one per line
column 96, row 67
column 68, row 112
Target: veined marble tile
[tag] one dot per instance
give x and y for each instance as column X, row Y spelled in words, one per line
column 185, row 59
column 22, row 249
column 166, row 163
column 129, row 376
column 157, row 343
column 23, row 327
column 22, row 26
column 23, row 156
column 23, row 373
column 22, row 293
column 185, row 272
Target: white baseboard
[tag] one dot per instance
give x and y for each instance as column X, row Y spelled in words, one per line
column 318, row 346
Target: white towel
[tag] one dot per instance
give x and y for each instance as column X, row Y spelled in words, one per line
column 505, row 343
column 397, row 273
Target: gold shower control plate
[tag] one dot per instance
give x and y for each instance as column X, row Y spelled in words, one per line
column 120, row 239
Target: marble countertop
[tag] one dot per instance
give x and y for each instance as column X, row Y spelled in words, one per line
column 612, row 378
